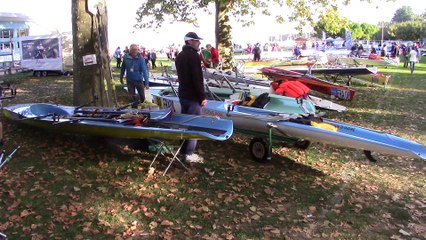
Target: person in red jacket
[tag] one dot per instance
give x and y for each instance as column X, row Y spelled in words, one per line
column 215, row 55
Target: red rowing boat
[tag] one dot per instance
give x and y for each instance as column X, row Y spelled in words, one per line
column 314, row 83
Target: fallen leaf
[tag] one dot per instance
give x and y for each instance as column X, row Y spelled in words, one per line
column 166, row 223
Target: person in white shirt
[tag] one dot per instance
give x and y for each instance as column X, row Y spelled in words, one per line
column 413, row 59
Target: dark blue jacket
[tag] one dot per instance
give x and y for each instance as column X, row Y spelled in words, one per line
column 139, row 69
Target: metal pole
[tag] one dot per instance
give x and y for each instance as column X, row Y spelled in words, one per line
column 382, row 35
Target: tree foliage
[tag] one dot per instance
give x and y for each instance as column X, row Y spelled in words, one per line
column 153, row 13
column 331, row 23
column 403, row 14
column 369, row 30
column 412, row 30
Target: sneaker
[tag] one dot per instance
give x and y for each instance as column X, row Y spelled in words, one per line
column 194, row 158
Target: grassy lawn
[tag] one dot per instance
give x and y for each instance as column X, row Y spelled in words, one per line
column 71, row 187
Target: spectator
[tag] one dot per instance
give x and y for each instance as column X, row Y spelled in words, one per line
column 117, row 56
column 206, row 57
column 413, row 59
column 134, row 66
column 406, row 54
column 214, row 55
column 191, row 88
column 153, row 57
column 296, row 52
column 384, row 51
column 256, row 52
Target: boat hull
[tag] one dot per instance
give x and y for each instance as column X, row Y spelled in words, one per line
column 257, row 122
column 314, row 83
column 178, row 126
column 258, row 86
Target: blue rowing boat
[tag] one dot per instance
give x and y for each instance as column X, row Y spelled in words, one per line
column 127, row 123
column 299, row 129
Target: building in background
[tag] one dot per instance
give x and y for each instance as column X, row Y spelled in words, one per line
column 12, row 27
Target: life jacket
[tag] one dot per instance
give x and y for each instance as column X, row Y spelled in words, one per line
column 294, row 89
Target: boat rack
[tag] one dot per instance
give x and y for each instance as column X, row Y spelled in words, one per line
column 161, row 148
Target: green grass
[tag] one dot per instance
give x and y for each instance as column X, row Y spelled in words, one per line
column 71, row 187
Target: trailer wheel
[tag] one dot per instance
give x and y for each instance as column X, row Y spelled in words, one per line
column 259, row 150
column 302, row 144
column 44, row 73
column 37, row 73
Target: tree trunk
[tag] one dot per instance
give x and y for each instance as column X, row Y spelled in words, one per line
column 93, row 81
column 223, row 31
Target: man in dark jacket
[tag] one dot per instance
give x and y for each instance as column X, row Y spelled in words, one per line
column 134, row 66
column 191, row 87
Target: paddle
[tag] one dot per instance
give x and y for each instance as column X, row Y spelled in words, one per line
column 9, row 157
column 83, row 118
column 38, row 117
column 1, row 156
column 128, row 105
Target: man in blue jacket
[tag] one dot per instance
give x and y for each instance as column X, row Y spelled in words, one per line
column 134, row 66
column 191, row 87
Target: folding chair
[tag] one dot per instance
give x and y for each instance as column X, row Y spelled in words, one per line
column 163, row 149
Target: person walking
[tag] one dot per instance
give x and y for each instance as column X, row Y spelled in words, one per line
column 191, row 88
column 136, row 70
column 117, row 56
column 256, row 52
column 153, row 58
column 413, row 59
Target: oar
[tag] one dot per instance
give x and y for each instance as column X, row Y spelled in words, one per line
column 77, row 119
column 1, row 156
column 9, row 157
column 87, row 113
column 38, row 117
column 128, row 105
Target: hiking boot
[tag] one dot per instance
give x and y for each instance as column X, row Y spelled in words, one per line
column 194, row 158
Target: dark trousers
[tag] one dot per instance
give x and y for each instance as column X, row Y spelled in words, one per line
column 256, row 57
column 405, row 61
column 189, row 107
column 154, row 66
column 139, row 86
column 118, row 63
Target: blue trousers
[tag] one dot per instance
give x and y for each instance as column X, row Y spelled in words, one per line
column 412, row 63
column 189, row 107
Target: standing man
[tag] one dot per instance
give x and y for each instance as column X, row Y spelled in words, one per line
column 413, row 55
column 117, row 56
column 153, row 58
column 191, row 88
column 256, row 52
column 134, row 66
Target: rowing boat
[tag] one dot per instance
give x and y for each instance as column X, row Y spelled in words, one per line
column 364, row 61
column 299, row 129
column 127, row 123
column 316, row 84
column 257, row 86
